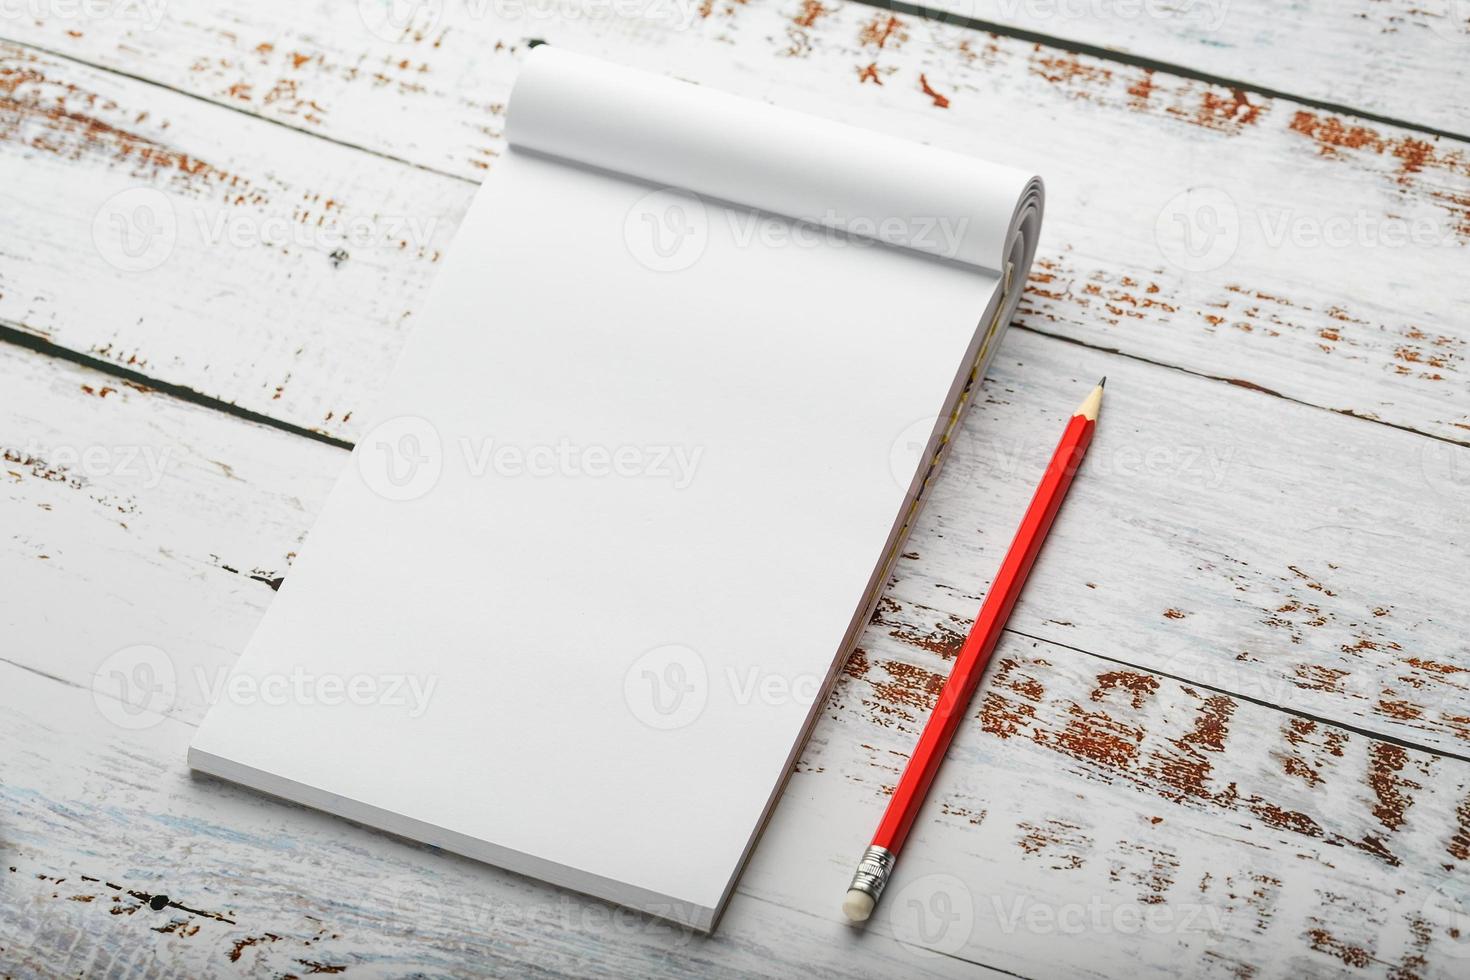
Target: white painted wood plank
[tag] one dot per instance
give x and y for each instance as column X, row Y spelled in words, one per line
column 1398, row 58
column 1081, row 788
column 1268, row 549
column 1330, row 280
column 301, row 259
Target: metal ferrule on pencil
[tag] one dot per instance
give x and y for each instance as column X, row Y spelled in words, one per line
column 873, row 871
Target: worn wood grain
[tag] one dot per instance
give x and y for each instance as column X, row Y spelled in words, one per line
column 1326, row 248
column 1095, row 819
column 1398, row 58
column 1268, row 549
column 214, row 251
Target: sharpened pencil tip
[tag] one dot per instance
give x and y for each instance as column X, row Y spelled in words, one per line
column 1104, row 382
column 1090, row 404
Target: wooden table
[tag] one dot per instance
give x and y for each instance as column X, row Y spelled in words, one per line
column 1228, row 733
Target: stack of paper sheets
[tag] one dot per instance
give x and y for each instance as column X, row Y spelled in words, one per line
column 633, row 486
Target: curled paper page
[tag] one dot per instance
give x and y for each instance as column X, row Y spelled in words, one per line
column 771, row 159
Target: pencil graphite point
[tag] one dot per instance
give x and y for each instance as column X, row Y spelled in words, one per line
column 1104, row 382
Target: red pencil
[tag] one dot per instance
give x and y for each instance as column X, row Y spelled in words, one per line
column 877, row 862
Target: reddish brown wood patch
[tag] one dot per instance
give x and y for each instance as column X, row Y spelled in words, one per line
column 881, row 30
column 940, row 101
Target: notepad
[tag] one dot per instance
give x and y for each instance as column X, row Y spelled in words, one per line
column 633, row 487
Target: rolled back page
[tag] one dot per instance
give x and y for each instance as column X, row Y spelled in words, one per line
column 802, row 167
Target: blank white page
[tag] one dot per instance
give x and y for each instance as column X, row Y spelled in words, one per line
column 625, row 638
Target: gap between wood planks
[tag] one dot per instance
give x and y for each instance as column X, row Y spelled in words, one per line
column 934, row 952
column 14, row 335
column 1294, row 712
column 152, row 83
column 1237, row 383
column 1152, row 64
column 896, row 6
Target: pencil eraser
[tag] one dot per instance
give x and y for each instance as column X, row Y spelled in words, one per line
column 857, row 906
